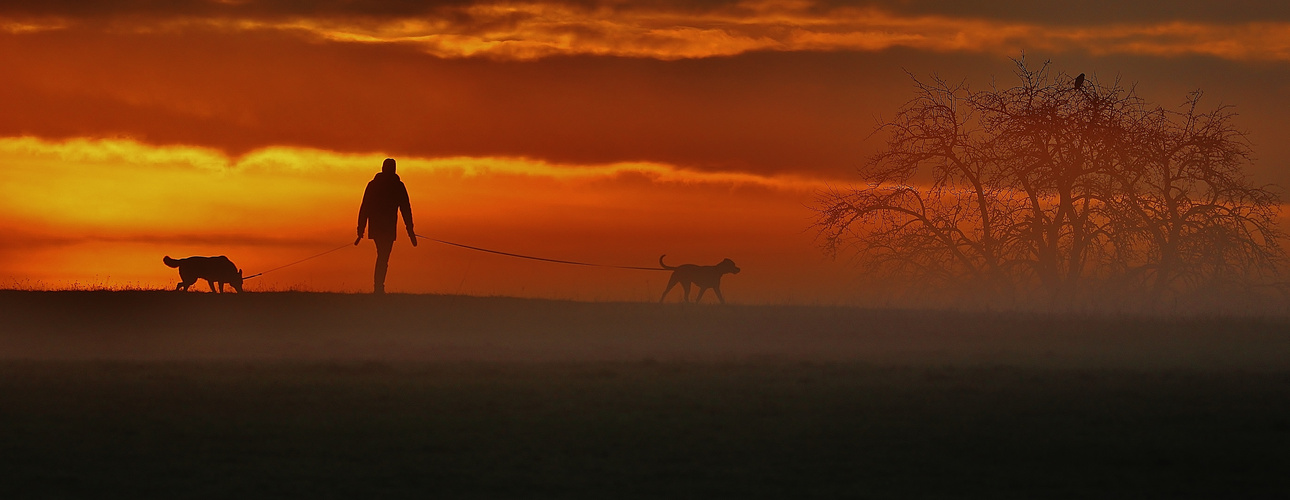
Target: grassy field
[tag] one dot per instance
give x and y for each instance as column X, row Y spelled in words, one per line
column 331, row 395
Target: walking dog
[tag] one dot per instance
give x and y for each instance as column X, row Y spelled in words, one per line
column 704, row 276
column 212, row 269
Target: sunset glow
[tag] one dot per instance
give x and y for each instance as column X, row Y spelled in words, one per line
column 645, row 248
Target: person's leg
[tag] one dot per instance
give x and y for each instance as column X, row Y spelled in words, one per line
column 383, row 248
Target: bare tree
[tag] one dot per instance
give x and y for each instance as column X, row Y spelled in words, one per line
column 1187, row 198
column 1056, row 187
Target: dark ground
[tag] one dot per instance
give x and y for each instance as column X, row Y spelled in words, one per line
column 156, row 394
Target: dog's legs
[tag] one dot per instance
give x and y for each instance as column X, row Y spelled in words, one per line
column 670, row 284
column 685, row 287
column 185, row 281
column 212, row 285
column 221, row 287
column 717, row 290
column 700, row 297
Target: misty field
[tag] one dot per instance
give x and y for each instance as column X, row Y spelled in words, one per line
column 333, row 395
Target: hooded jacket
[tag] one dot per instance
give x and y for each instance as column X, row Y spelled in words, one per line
column 383, row 199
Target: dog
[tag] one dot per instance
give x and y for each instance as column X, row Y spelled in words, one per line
column 704, row 276
column 212, row 269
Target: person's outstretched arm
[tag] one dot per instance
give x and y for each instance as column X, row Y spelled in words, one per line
column 405, row 206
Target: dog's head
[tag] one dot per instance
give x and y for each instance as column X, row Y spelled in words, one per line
column 728, row 267
column 237, row 282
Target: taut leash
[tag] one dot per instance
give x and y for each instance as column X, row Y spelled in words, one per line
column 543, row 259
column 294, row 263
column 468, row 247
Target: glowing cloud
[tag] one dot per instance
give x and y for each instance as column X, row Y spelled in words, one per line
column 86, row 151
column 544, row 30
column 531, row 30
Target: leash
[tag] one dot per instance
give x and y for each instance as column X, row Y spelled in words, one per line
column 294, row 263
column 469, row 247
column 543, row 259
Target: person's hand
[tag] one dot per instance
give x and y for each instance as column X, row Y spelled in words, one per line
column 358, row 239
column 413, row 237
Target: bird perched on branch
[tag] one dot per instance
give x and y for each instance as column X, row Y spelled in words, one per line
column 1079, row 81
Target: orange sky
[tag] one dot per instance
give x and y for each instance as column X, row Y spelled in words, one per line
column 586, row 130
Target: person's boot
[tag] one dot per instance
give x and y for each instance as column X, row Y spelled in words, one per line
column 379, row 289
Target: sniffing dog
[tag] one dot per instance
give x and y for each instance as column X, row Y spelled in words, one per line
column 704, row 276
column 212, row 269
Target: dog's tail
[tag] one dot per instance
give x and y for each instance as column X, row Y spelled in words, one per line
column 661, row 264
column 170, row 262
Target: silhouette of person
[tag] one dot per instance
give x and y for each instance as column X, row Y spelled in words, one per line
column 383, row 199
